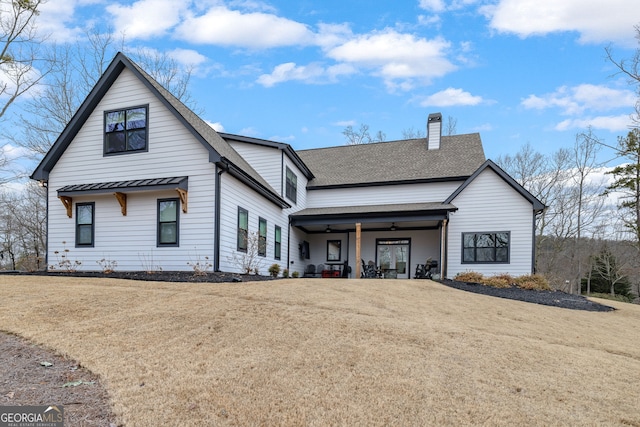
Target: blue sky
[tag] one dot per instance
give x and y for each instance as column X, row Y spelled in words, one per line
column 517, row 71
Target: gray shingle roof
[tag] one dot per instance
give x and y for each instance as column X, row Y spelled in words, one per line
column 459, row 156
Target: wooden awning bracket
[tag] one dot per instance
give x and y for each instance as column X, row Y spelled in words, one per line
column 122, row 199
column 68, row 204
column 183, row 198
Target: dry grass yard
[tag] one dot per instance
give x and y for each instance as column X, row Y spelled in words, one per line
column 319, row 352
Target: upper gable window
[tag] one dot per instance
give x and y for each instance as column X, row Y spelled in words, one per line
column 291, row 187
column 125, row 130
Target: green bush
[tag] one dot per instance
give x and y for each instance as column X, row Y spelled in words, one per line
column 285, row 273
column 295, row 274
column 274, row 270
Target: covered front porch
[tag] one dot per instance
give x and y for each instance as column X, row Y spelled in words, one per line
column 394, row 238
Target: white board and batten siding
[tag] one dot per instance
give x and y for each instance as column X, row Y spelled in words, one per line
column 489, row 204
column 380, row 195
column 131, row 240
column 235, row 194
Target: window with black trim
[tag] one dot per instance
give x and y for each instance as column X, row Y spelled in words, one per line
column 243, row 229
column 483, row 248
column 277, row 243
column 125, row 130
column 168, row 222
column 291, row 186
column 262, row 237
column 85, row 230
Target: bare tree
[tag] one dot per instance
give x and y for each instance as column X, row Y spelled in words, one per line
column 589, row 197
column 631, row 68
column 451, row 127
column 412, row 133
column 21, row 66
column 23, row 228
column 78, row 68
column 362, row 136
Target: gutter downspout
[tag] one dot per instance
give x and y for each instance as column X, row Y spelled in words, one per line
column 216, row 219
column 45, row 184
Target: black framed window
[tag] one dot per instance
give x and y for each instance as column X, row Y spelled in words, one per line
column 291, row 187
column 168, row 222
column 262, row 237
column 85, row 219
column 125, row 130
column 334, row 250
column 243, row 229
column 484, row 248
column 277, row 242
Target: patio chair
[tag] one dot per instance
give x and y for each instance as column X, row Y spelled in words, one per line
column 370, row 271
column 426, row 270
column 309, row 271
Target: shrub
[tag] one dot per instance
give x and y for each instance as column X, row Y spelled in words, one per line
column 533, row 281
column 285, row 273
column 295, row 274
column 274, row 270
column 499, row 281
column 469, row 276
column 108, row 266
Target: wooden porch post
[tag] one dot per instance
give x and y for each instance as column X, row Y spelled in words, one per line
column 443, row 250
column 358, row 255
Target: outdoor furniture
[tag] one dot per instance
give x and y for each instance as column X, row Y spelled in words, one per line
column 309, row 271
column 370, row 271
column 426, row 270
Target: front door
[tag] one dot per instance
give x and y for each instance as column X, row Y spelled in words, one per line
column 393, row 257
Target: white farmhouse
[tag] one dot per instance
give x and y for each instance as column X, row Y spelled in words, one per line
column 139, row 179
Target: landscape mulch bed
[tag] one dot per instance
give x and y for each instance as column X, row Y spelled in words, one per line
column 25, row 380
column 31, row 375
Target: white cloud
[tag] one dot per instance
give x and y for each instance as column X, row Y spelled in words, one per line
column 450, row 97
column 611, row 123
column 187, row 56
column 217, row 126
column 147, row 18
column 344, row 123
column 222, row 26
column 312, row 73
column 402, row 60
column 594, row 20
column 432, row 5
column 578, row 99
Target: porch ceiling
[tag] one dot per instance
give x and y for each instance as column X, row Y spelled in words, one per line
column 406, row 216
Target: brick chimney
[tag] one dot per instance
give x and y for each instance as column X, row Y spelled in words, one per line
column 434, row 131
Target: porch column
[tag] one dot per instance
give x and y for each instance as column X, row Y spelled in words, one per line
column 443, row 249
column 358, row 254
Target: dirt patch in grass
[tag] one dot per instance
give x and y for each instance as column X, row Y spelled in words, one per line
column 332, row 352
column 31, row 375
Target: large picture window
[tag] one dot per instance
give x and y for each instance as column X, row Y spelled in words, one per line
column 277, row 243
column 85, row 224
column 484, row 248
column 125, row 130
column 243, row 229
column 168, row 222
column 291, row 190
column 262, row 237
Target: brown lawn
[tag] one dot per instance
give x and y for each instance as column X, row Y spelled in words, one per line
column 333, row 352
